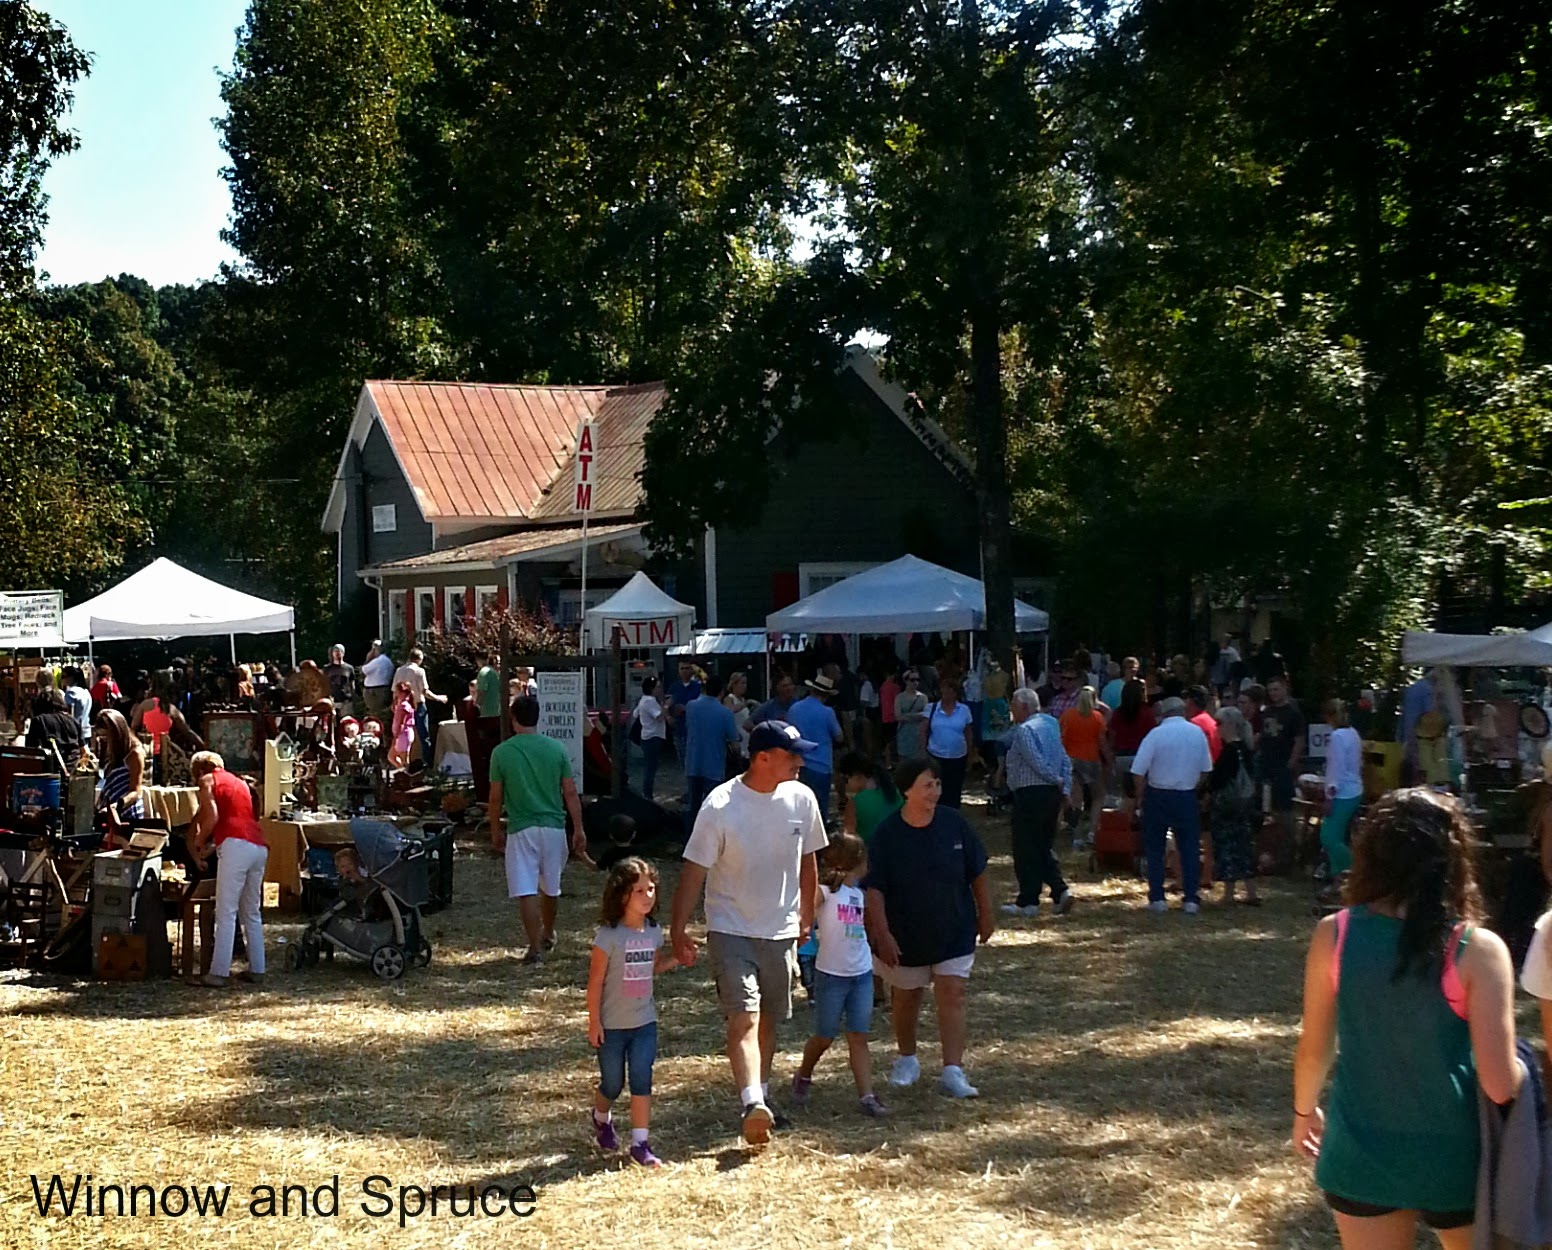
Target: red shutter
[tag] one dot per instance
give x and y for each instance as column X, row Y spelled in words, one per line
column 441, row 609
column 501, row 598
column 468, row 604
column 409, row 616
column 784, row 590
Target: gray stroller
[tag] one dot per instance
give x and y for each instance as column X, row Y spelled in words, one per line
column 377, row 916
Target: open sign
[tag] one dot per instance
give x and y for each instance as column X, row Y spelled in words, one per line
column 1319, row 740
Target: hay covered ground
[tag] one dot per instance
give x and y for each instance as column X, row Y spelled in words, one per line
column 1134, row 1074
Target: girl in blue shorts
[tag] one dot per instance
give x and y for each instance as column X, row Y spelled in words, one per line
column 843, row 979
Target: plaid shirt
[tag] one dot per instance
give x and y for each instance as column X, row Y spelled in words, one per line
column 1036, row 756
column 1062, row 701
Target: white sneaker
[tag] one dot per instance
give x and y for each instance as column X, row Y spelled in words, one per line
column 1064, row 904
column 1013, row 909
column 1191, row 909
column 954, row 1084
column 905, row 1071
column 1158, row 907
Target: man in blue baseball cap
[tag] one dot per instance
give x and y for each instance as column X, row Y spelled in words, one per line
column 753, row 850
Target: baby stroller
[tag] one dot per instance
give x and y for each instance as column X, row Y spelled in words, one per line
column 383, row 885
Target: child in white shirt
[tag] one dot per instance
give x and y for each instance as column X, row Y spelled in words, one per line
column 843, row 985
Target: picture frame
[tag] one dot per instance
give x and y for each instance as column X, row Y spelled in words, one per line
column 234, row 736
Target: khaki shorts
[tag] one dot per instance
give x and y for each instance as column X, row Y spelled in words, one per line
column 902, row 978
column 753, row 974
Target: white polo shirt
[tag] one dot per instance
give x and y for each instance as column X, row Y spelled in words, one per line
column 1173, row 756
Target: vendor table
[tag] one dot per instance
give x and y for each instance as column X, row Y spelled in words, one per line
column 452, row 738
column 174, row 804
column 289, row 841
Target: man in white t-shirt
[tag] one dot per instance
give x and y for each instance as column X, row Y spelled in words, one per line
column 1172, row 762
column 377, row 680
column 753, row 850
column 414, row 676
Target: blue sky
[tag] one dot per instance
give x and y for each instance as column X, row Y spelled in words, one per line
column 143, row 194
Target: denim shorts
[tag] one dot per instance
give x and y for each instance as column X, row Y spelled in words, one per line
column 842, row 1000
column 636, row 1047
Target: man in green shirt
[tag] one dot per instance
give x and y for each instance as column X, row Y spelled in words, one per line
column 485, row 728
column 531, row 780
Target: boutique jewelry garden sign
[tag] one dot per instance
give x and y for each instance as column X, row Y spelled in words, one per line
column 32, row 618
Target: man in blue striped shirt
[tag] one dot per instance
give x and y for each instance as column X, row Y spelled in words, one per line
column 1040, row 776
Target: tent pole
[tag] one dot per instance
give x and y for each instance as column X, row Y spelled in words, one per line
column 293, row 650
column 233, row 639
column 582, row 626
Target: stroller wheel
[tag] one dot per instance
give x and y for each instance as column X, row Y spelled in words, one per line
column 388, row 962
column 423, row 954
column 309, row 952
column 293, row 958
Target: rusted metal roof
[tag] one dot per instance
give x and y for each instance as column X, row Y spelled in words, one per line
column 504, row 453
column 495, row 551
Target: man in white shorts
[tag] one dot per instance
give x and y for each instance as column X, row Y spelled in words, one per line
column 753, row 851
column 530, row 778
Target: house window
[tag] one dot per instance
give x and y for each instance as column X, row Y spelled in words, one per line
column 815, row 577
column 425, row 613
column 486, row 599
column 454, row 616
column 385, row 518
column 395, row 628
column 568, row 603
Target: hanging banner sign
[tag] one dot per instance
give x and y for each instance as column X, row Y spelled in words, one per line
column 662, row 631
column 32, row 618
column 563, row 715
column 585, row 470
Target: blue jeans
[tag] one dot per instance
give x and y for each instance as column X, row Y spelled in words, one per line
column 634, row 1047
column 842, row 1001
column 651, row 751
column 1163, row 810
column 819, row 783
column 423, row 729
column 696, row 790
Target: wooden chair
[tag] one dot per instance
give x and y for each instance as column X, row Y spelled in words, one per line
column 197, row 915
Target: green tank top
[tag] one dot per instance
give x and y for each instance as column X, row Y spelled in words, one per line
column 1401, row 1119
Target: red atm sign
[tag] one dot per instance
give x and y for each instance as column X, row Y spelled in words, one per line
column 585, row 471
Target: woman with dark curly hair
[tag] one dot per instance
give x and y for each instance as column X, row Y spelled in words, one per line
column 1413, row 1005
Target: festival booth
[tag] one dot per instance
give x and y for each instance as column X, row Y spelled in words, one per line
column 1486, row 741
column 908, row 595
column 650, row 622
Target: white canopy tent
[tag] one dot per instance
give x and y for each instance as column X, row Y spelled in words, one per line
column 904, row 596
column 166, row 600
column 1532, row 649
column 646, row 614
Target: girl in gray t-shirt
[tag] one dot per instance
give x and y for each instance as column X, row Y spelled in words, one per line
column 628, row 952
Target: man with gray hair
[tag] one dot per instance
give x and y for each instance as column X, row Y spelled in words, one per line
column 1172, row 762
column 1040, row 776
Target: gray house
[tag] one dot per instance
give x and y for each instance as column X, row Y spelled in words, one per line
column 450, row 497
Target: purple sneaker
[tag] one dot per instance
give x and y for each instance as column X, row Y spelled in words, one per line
column 800, row 1086
column 641, row 1154
column 604, row 1134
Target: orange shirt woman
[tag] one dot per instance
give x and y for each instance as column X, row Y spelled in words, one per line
column 1082, row 734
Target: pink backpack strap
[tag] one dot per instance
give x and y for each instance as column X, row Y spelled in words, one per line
column 1336, row 955
column 1450, row 983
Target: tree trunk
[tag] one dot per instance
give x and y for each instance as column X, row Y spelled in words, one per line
column 991, row 480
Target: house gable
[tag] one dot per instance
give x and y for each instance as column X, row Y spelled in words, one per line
column 886, row 487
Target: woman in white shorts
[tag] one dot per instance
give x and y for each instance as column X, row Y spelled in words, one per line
column 927, row 902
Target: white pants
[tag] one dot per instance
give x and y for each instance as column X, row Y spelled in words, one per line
column 535, row 857
column 239, row 893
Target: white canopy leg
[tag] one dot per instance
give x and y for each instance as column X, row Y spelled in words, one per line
column 233, row 639
column 293, row 650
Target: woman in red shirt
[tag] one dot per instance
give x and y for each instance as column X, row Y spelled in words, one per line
column 1129, row 725
column 228, row 821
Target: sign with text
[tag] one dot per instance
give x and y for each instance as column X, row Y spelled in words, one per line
column 585, row 469
column 662, row 631
column 32, row 618
column 1319, row 737
column 563, row 714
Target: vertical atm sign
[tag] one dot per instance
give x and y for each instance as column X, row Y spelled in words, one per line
column 586, row 469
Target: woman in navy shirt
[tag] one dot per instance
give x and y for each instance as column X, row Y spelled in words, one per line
column 927, row 902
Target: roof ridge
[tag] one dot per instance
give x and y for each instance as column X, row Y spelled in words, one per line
column 607, row 388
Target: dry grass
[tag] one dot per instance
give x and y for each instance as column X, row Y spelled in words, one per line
column 1134, row 1076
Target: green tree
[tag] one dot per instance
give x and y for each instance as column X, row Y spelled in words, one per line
column 39, row 67
column 953, row 229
